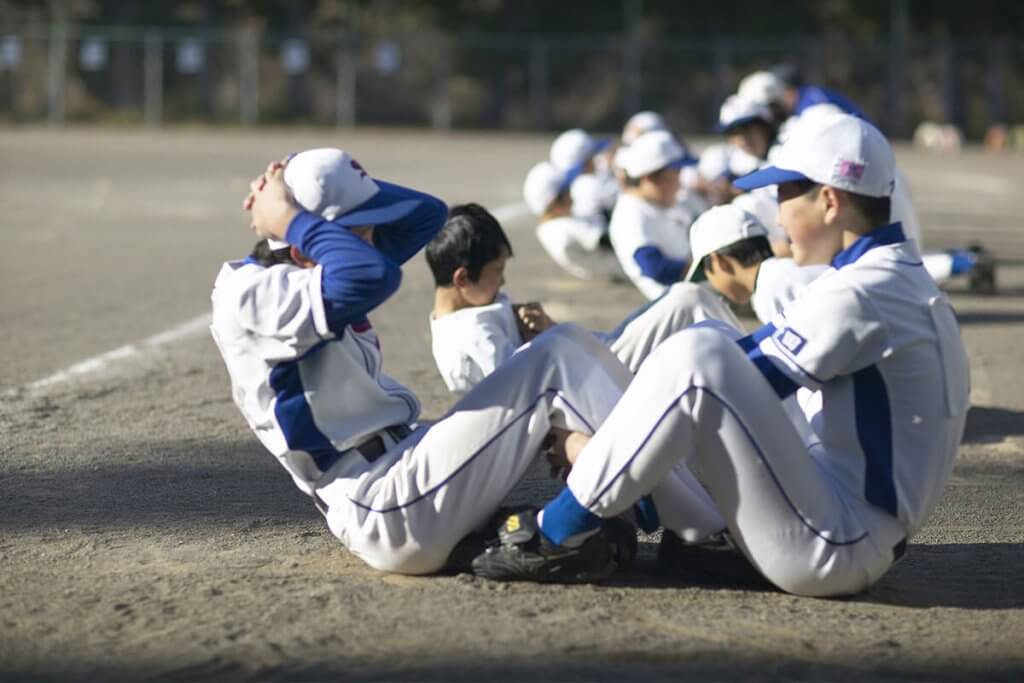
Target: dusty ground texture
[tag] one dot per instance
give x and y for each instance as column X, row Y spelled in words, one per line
column 144, row 534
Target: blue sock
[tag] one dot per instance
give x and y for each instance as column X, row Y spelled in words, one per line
column 963, row 261
column 564, row 517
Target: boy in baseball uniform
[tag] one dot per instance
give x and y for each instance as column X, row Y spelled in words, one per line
column 306, row 373
column 732, row 253
column 791, row 101
column 873, row 335
column 585, row 160
column 648, row 228
column 475, row 327
column 577, row 243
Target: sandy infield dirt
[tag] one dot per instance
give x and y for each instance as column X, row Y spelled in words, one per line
column 145, row 534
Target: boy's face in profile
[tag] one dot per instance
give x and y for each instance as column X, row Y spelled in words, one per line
column 492, row 278
column 800, row 213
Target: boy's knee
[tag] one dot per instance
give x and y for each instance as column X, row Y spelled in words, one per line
column 562, row 337
column 700, row 343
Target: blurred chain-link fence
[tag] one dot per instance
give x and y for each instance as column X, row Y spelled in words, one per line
column 513, row 81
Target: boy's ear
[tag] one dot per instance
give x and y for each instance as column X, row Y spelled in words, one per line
column 832, row 201
column 719, row 262
column 460, row 278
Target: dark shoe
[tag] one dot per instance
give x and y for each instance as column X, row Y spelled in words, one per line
column 715, row 560
column 982, row 278
column 523, row 554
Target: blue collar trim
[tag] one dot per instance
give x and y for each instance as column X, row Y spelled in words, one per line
column 890, row 234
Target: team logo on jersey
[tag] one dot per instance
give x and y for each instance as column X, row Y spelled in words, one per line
column 790, row 340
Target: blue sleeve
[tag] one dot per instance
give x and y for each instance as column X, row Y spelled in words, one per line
column 751, row 345
column 403, row 238
column 657, row 266
column 356, row 277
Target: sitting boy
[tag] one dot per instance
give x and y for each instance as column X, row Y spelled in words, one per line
column 873, row 334
column 648, row 228
column 732, row 252
column 578, row 244
column 475, row 328
column 306, row 373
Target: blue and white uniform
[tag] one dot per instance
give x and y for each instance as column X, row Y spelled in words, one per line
column 651, row 243
column 305, row 370
column 880, row 343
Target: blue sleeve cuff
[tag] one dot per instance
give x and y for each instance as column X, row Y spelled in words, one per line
column 660, row 268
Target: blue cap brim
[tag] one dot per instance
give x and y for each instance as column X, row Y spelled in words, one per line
column 569, row 177
column 390, row 204
column 770, row 175
column 685, row 160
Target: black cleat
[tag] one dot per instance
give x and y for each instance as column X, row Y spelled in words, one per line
column 523, row 554
column 715, row 560
column 982, row 278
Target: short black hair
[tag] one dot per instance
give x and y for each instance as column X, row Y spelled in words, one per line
column 470, row 239
column 877, row 211
column 266, row 257
column 749, row 252
column 771, row 129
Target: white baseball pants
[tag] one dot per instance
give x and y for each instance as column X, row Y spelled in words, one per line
column 406, row 511
column 699, row 400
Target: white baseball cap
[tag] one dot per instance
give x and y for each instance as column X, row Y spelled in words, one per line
column 640, row 123
column 574, row 148
column 738, row 110
column 717, row 228
column 543, row 184
column 762, row 87
column 652, row 152
column 837, row 150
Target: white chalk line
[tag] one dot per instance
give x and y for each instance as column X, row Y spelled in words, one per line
column 504, row 213
column 108, row 358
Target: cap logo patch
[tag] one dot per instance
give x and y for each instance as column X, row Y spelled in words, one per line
column 356, row 166
column 850, row 171
column 790, row 340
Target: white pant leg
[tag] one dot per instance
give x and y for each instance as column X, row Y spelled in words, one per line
column 682, row 305
column 406, row 512
column 684, row 506
column 699, row 397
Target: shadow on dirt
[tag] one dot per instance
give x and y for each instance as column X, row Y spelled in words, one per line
column 989, row 424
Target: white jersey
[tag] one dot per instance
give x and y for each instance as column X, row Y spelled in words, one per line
column 636, row 224
column 881, row 343
column 779, row 281
column 470, row 343
column 294, row 380
column 593, row 194
column 574, row 244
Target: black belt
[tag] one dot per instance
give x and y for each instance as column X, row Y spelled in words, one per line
column 374, row 447
column 371, row 449
column 899, row 550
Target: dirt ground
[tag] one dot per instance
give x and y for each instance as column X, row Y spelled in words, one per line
column 145, row 535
